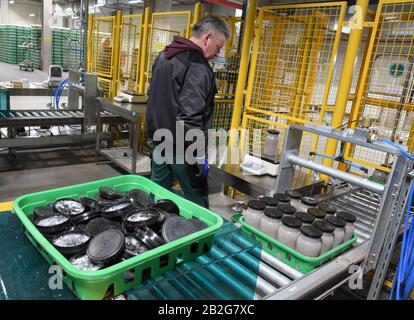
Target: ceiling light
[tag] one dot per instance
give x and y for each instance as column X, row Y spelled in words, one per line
column 11, row 1
column 134, row 1
column 32, row 15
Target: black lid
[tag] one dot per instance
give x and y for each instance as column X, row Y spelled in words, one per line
column 282, row 197
column 273, row 131
column 304, row 217
column 325, row 226
column 348, row 217
column 110, row 193
column 140, row 198
column 119, row 208
column 286, row 208
column 90, row 203
column 85, row 217
column 336, row 221
column 311, row 231
column 317, row 213
column 309, row 201
column 256, row 204
column 133, row 246
column 56, row 223
column 100, row 224
column 291, row 222
column 271, row 202
column 273, row 213
column 106, row 246
column 69, row 206
column 198, row 224
column 294, row 194
column 168, row 206
column 103, row 202
column 148, row 237
column 72, row 242
column 177, row 227
column 141, row 217
column 330, row 209
column 42, row 211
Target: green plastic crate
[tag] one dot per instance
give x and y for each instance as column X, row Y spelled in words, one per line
column 110, row 281
column 291, row 257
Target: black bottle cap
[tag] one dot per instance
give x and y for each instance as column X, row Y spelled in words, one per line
column 271, row 202
column 177, row 227
column 311, row 231
column 106, row 247
column 325, row 226
column 69, row 206
column 117, row 209
column 273, row 213
column 133, row 247
column 138, row 218
column 140, row 198
column 104, row 202
column 42, row 211
column 85, row 217
column 330, row 209
column 53, row 223
column 148, row 237
column 294, row 194
column 309, row 201
column 304, row 217
column 286, row 208
column 110, row 193
column 72, row 242
column 317, row 213
column 256, row 204
column 100, row 224
column 336, row 221
column 198, row 224
column 90, row 203
column 282, row 197
column 348, row 217
column 291, row 222
column 167, row 205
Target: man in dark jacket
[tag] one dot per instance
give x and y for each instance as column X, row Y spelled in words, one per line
column 180, row 101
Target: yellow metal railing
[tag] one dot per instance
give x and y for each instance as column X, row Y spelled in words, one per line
column 385, row 91
column 286, row 83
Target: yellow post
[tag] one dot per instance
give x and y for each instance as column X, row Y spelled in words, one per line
column 116, row 52
column 197, row 12
column 346, row 78
column 90, row 42
column 144, row 53
column 244, row 62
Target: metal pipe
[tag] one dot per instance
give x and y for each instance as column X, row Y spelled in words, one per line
column 78, row 86
column 251, row 278
column 335, row 173
column 346, row 78
column 242, row 77
column 266, row 257
column 254, row 263
column 144, row 42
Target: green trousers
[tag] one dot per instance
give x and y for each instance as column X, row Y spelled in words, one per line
column 164, row 174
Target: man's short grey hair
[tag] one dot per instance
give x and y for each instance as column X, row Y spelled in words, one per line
column 209, row 23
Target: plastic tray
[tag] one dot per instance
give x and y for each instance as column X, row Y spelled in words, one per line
column 111, row 281
column 291, row 257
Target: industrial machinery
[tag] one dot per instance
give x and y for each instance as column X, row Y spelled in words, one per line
column 55, row 75
column 130, row 97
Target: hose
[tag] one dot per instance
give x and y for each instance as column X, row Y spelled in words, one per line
column 58, row 92
column 397, row 146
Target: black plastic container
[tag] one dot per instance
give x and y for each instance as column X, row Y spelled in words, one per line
column 52, row 224
column 177, row 227
column 101, row 224
column 72, row 242
column 167, row 205
column 70, row 207
column 117, row 209
column 149, row 238
column 107, row 247
column 140, row 198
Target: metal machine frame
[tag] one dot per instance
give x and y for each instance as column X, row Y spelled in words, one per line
column 393, row 195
